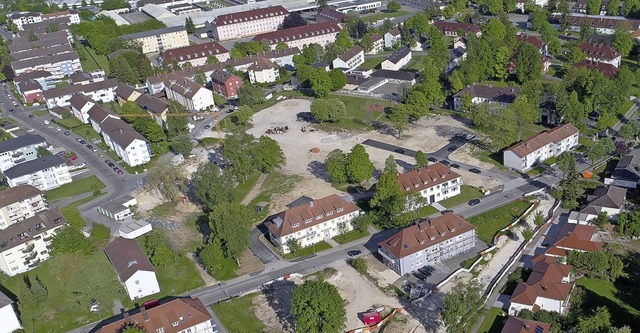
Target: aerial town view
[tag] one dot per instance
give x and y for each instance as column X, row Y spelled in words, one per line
column 319, row 166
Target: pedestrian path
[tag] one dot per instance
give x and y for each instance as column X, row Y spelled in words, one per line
column 332, row 242
column 438, row 206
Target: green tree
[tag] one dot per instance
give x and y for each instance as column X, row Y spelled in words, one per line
column 328, row 110
column 70, row 240
column 318, row 308
column 393, row 6
column 268, row 154
column 231, row 224
column 601, row 219
column 182, row 144
column 528, row 64
column 565, row 162
column 525, row 114
column 399, row 116
column 338, row 79
column 251, row 95
column 360, row 265
column 114, row 4
column 601, row 148
column 538, row 219
column 421, row 159
column 212, row 59
column 335, row 166
column 294, row 245
column 281, row 46
column 527, row 233
column 622, row 41
column 168, row 181
column 498, row 124
column 387, row 190
column 613, row 7
column 390, row 165
column 188, row 24
column 162, row 256
column 321, row 83
column 570, row 185
column 367, row 42
column 462, row 307
column 211, row 187
column 358, row 165
column 593, row 7
column 343, row 41
column 243, row 116
column 599, row 321
column 212, row 257
column 121, row 70
column 575, row 55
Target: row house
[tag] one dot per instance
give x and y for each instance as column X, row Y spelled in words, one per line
column 45, row 41
column 19, row 150
column 605, row 199
column 601, row 53
column 526, row 154
column 80, row 106
column 225, row 83
column 580, row 7
column 20, row 203
column 196, row 55
column 59, row 65
column 318, row 33
column 173, row 315
column 397, row 59
column 392, row 38
column 453, row 28
column 429, row 184
column 44, row 173
column 378, row 44
column 24, row 245
column 248, row 23
column 120, row 137
column 312, row 222
column 102, row 91
column 133, row 268
column 574, row 237
column 83, row 77
column 263, row 71
column 187, row 93
column 156, row 107
column 608, row 70
column 41, row 52
column 602, row 25
column 485, row 94
column 350, row 59
column 24, row 19
column 159, row 40
column 61, row 24
column 427, row 242
column 32, row 85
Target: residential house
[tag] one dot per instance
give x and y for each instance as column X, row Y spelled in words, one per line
column 485, row 94
column 378, row 44
column 391, row 38
column 24, row 245
column 61, row 23
column 519, row 325
column 432, row 183
column 398, row 59
column 126, row 93
column 248, row 23
column 626, row 173
column 263, row 70
column 119, row 208
column 453, row 28
column 80, row 106
column 40, row 52
column 134, row 269
column 196, row 55
column 329, row 14
column 225, row 83
column 601, row 53
column 311, row 222
column 26, row 18
column 581, row 7
column 177, row 315
column 189, row 94
column 456, row 56
column 574, row 237
column 607, row 70
column 605, row 199
column 399, row 77
column 427, row 242
column 603, row 25
column 19, row 150
column 547, row 288
column 536, row 41
column 159, row 40
column 45, row 40
column 59, row 65
column 350, row 59
column 83, row 77
column 526, row 154
column 156, row 107
column 318, row 33
column 31, row 85
column 102, row 91
column 45, row 173
column 20, row 203
column 8, row 316
column 120, row 137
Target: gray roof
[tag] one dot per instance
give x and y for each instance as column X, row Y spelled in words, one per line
column 399, row 54
column 51, row 59
column 42, row 37
column 80, row 88
column 124, row 91
column 628, row 168
column 609, row 197
column 31, row 227
column 395, row 75
column 496, row 94
column 150, row 33
column 133, row 225
column 127, row 258
column 25, row 47
column 20, row 142
column 152, row 104
column 42, row 52
column 32, row 75
column 117, row 205
column 33, row 166
column 78, row 101
column 120, row 132
column 4, row 300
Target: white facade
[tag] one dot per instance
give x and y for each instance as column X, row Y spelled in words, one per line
column 201, row 100
column 391, row 38
column 549, row 149
column 378, row 46
column 104, row 92
column 68, row 64
column 137, row 153
column 13, row 157
column 20, row 20
column 160, row 40
column 83, row 113
column 352, row 59
column 248, row 23
column 547, row 304
column 45, row 179
column 390, row 65
column 21, row 210
column 266, row 75
column 8, row 319
column 141, row 284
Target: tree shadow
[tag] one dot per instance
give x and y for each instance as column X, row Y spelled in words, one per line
column 427, row 311
column 318, row 169
column 203, row 226
column 627, row 286
column 383, row 128
column 406, row 166
column 619, row 315
column 279, row 295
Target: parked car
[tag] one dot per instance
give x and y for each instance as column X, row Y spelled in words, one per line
column 452, row 148
column 46, row 122
column 353, row 253
column 474, row 202
column 419, row 275
column 446, row 211
column 207, row 126
column 474, row 170
column 73, row 158
column 432, row 159
column 58, row 129
column 445, row 162
column 89, row 146
column 60, row 153
column 12, row 110
column 401, row 151
column 426, row 270
column 67, row 133
column 455, row 165
column 31, row 116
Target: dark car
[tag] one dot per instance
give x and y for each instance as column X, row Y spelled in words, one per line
column 108, row 162
column 60, row 153
column 432, row 159
column 426, row 270
column 353, row 253
column 12, row 110
column 119, row 171
column 452, row 148
column 82, row 141
column 400, row 151
column 67, row 133
column 474, row 202
column 446, row 211
column 455, row 165
column 31, row 116
column 445, row 162
column 89, row 146
column 207, row 126
column 474, row 170
column 419, row 275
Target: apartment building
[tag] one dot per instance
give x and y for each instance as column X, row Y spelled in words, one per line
column 159, row 40
column 225, row 83
column 134, row 269
column 378, row 44
column 120, row 137
column 601, row 53
column 80, row 106
column 22, row 19
column 20, row 203
column 175, row 315
column 196, row 55
column 45, row 173
column 485, row 94
column 350, row 59
column 83, row 77
column 19, row 150
column 427, row 242
column 44, row 40
column 318, row 33
column 357, row 6
column 608, row 70
column 526, row 154
column 248, row 23
column 8, row 315
column 398, row 59
column 429, row 184
column 391, row 38
column 156, row 107
column 329, row 14
column 263, row 71
column 312, row 222
column 189, row 94
column 59, row 65
column 102, row 91
column 23, row 246
column 453, row 28
column 61, row 23
column 41, row 52
column 602, row 25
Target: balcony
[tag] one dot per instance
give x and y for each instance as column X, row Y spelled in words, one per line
column 28, row 249
column 34, row 264
column 48, row 238
column 30, row 257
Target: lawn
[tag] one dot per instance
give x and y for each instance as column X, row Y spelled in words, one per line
column 611, row 120
column 350, row 236
column 71, row 213
column 40, row 113
column 100, row 61
column 605, row 293
column 176, row 279
column 276, row 183
column 551, row 161
column 308, row 251
column 237, row 315
column 416, row 63
column 244, row 187
column 372, row 63
column 383, row 16
column 361, row 113
column 493, row 321
column 487, row 224
column 87, row 132
column 69, row 122
column 84, row 185
column 536, row 170
column 467, row 192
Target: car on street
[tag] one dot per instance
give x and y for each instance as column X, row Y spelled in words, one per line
column 455, row 165
column 60, row 153
column 31, row 116
column 46, row 122
column 474, row 202
column 118, row 171
column 12, row 110
column 445, row 162
column 432, row 159
column 426, row 270
column 207, row 126
column 58, row 129
column 419, row 275
column 1, row 103
column 474, row 170
column 445, row 211
column 82, row 141
column 30, row 130
column 353, row 253
column 400, row 151
column 89, row 146
column 67, row 133
column 452, row 148
column 469, row 136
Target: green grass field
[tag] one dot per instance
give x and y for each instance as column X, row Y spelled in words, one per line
column 493, row 321
column 309, row 250
column 350, row 236
column 68, row 123
column 361, row 112
column 87, row 132
column 275, row 183
column 40, row 113
column 467, row 192
column 237, row 315
column 372, row 63
column 71, row 213
column 623, row 305
column 487, row 224
column 84, row 185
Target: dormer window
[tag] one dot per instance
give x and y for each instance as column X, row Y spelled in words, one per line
column 319, row 217
column 421, row 242
column 339, row 209
column 307, row 221
column 432, row 237
column 295, row 225
column 330, row 213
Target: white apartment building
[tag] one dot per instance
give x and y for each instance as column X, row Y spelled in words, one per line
column 59, row 65
column 485, row 94
column 524, row 155
column 8, row 316
column 378, row 44
column 391, row 38
column 101, row 91
column 350, row 59
column 21, row 19
column 312, row 222
column 248, row 23
column 134, row 270
column 428, row 242
column 120, row 137
column 19, row 150
column 80, row 106
column 433, row 183
column 601, row 53
column 25, row 245
column 20, row 203
column 160, row 40
column 263, row 71
column 189, row 94
column 319, row 33
column 45, row 173
column 398, row 59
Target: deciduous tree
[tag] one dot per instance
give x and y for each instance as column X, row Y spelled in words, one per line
column 268, row 154
column 338, row 79
column 421, row 159
column 251, row 95
column 335, row 166
column 318, row 308
column 168, row 181
column 231, row 224
column 211, row 187
column 528, row 64
column 622, row 41
column 182, row 144
column 462, row 307
column 393, row 6
column 593, row 7
column 294, row 19
column 358, row 165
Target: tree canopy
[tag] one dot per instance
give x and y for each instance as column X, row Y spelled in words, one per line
column 318, row 308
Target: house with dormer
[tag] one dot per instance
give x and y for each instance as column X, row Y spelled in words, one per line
column 429, row 184
column 312, row 221
column 134, row 269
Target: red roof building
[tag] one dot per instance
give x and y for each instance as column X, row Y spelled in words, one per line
column 601, row 53
column 519, row 325
column 607, row 70
column 452, row 28
column 535, row 41
column 195, row 54
column 319, row 33
column 225, row 83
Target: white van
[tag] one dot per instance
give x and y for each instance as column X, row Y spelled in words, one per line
column 46, row 122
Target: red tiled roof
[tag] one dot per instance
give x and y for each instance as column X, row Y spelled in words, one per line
column 426, row 177
column 455, row 26
column 262, row 64
column 330, row 15
column 578, row 237
column 599, row 51
column 249, row 15
column 533, row 40
column 607, row 70
column 546, row 281
column 193, row 52
column 519, row 325
column 301, row 32
column 542, row 139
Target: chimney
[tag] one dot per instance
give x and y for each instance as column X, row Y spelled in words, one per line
column 311, row 204
column 526, row 327
column 145, row 315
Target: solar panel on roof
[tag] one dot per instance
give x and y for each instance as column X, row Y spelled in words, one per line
column 539, row 329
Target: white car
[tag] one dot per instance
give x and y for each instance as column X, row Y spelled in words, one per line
column 30, row 130
column 46, row 122
column 59, row 129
